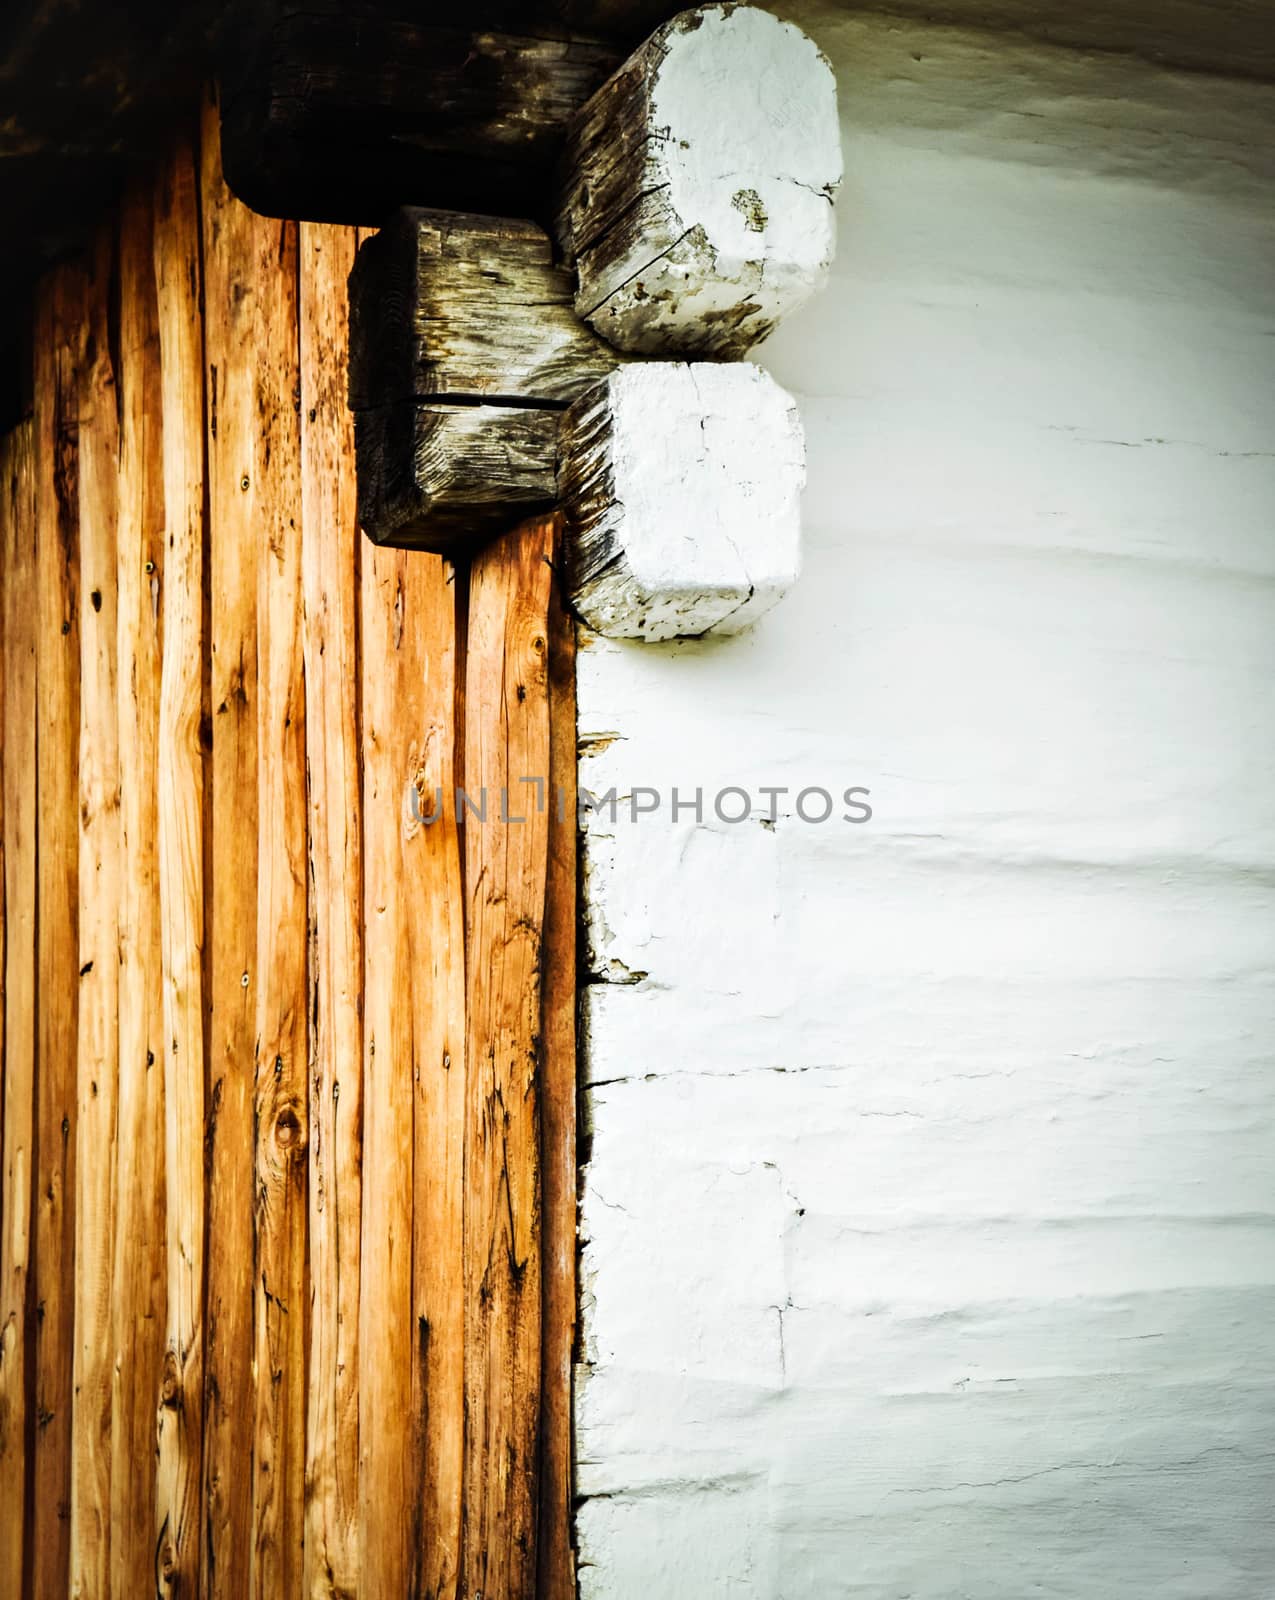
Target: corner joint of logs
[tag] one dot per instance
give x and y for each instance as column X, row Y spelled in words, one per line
column 464, row 352
column 492, row 377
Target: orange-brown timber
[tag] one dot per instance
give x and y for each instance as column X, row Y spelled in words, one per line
column 330, row 550
column 230, row 257
column 281, row 1109
column 287, row 1198
column 59, row 347
column 408, row 639
column 431, row 878
column 181, row 825
column 140, row 1279
column 506, row 741
column 99, row 901
column 17, row 1305
column 558, row 1115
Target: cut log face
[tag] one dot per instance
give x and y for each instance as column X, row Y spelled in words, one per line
column 465, row 350
column 697, row 184
column 680, row 485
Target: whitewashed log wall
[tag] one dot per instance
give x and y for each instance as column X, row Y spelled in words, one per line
column 929, row 1193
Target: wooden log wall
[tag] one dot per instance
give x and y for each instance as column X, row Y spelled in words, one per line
column 287, row 1213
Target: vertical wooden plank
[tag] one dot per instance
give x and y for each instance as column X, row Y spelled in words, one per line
column 229, row 231
column 181, row 872
column 59, row 339
column 330, row 564
column 140, row 1273
column 431, row 872
column 390, row 624
column 99, row 900
column 281, row 1105
column 17, row 1421
column 506, row 741
column 6, row 444
column 411, row 1031
column 385, row 1308
column 558, row 1116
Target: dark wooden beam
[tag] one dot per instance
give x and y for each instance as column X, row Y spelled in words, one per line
column 346, row 109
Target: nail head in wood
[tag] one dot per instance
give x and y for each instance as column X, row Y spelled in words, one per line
column 697, row 183
column 681, row 486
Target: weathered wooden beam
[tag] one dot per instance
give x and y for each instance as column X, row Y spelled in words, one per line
column 465, row 349
column 697, row 184
column 680, row 486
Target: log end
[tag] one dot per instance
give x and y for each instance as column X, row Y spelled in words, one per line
column 698, row 183
column 680, row 486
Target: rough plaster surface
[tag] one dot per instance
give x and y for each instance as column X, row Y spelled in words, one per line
column 682, row 489
column 928, row 1206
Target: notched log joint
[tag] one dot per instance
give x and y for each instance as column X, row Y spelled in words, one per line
column 465, row 350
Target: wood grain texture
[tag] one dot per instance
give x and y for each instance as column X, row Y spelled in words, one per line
column 281, row 1103
column 230, row 260
column 411, row 1328
column 140, row 1285
column 506, row 740
column 464, row 347
column 446, row 306
column 442, row 478
column 6, row 1197
column 557, row 1579
column 287, row 1370
column 388, row 1340
column 181, row 823
column 431, row 881
column 330, row 572
column 97, row 1053
column 17, row 1303
column 59, row 349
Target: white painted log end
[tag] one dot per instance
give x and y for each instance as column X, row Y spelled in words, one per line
column 698, row 183
column 681, row 484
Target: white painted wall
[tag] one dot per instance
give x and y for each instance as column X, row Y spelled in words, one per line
column 928, row 1207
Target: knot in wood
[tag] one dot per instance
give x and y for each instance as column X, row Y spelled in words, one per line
column 287, row 1129
column 170, row 1388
